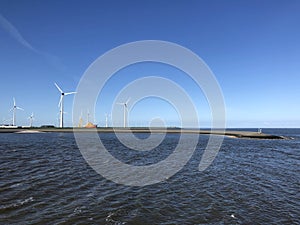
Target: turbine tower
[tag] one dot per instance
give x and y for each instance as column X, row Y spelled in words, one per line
column 125, row 107
column 61, row 104
column 14, row 109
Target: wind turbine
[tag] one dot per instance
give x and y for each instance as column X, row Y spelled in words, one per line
column 106, row 119
column 31, row 118
column 61, row 104
column 125, row 107
column 80, row 120
column 88, row 116
column 14, row 108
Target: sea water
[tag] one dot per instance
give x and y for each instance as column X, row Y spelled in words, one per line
column 44, row 179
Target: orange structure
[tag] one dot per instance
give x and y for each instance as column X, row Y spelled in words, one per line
column 90, row 125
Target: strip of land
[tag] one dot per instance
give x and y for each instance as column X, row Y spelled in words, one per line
column 229, row 133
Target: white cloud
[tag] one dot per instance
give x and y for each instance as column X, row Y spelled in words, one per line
column 14, row 33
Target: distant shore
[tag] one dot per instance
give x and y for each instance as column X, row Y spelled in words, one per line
column 229, row 133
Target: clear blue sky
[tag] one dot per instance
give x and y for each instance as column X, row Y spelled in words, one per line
column 253, row 48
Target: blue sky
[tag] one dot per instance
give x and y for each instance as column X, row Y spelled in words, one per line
column 252, row 47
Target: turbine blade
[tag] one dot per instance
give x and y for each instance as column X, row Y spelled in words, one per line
column 58, row 88
column 127, row 100
column 119, row 103
column 69, row 93
column 14, row 101
column 19, row 108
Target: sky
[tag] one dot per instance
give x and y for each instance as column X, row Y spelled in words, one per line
column 252, row 48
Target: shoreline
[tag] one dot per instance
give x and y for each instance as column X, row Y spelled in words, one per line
column 227, row 133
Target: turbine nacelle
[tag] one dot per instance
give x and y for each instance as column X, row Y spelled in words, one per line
column 125, row 104
column 31, row 116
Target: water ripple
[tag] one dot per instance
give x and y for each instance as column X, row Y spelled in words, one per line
column 45, row 180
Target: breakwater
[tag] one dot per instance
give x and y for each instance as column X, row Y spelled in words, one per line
column 229, row 133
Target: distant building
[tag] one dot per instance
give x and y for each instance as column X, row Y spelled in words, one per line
column 90, row 125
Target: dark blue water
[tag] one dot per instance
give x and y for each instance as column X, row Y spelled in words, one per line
column 45, row 180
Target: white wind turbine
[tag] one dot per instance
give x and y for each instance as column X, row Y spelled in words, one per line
column 80, row 120
column 61, row 104
column 88, row 116
column 14, row 109
column 106, row 119
column 125, row 107
column 31, row 118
